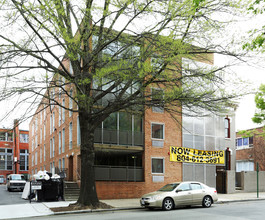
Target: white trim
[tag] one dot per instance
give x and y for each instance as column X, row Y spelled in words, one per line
column 163, row 158
column 158, row 123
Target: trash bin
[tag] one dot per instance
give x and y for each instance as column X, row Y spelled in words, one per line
column 52, row 190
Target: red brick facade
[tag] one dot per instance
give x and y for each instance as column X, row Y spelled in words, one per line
column 13, row 151
column 254, row 153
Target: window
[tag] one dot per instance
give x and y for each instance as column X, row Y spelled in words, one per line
column 6, row 159
column 63, row 163
column 60, row 142
column 24, row 138
column 6, row 136
column 244, row 166
column 195, row 186
column 227, row 128
column 36, row 141
column 63, row 140
column 184, row 187
column 158, row 165
column 44, row 131
column 60, row 115
column 50, row 148
column 53, row 146
column 53, row 121
column 44, row 153
column 70, row 135
column 24, row 160
column 157, row 100
column 157, row 131
column 60, row 164
column 51, row 124
column 63, row 111
column 78, row 132
column 243, row 143
column 70, row 102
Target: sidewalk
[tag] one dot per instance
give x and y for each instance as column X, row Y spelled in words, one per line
column 43, row 209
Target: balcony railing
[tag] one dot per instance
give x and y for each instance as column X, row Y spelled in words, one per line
column 128, row 138
column 119, row 173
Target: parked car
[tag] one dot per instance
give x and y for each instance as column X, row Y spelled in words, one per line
column 180, row 194
column 15, row 182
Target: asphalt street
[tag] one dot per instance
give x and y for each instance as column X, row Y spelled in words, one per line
column 8, row 198
column 229, row 211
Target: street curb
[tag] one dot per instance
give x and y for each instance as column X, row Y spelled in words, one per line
column 95, row 210
column 239, row 200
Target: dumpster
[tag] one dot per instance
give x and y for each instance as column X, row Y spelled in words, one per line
column 51, row 190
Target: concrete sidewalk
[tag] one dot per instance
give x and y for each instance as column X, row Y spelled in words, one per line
column 43, row 209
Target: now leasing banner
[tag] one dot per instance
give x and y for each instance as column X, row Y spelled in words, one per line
column 189, row 155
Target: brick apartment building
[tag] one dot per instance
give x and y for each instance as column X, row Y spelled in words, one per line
column 250, row 151
column 132, row 151
column 14, row 152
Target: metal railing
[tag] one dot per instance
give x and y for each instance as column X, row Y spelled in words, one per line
column 128, row 138
column 119, row 173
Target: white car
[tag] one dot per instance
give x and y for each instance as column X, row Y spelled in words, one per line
column 15, row 182
column 180, row 194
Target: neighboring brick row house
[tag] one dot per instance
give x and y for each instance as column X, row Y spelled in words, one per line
column 14, row 152
column 250, row 151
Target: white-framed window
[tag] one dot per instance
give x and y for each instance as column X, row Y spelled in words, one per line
column 158, row 131
column 44, row 131
column 51, row 124
column 70, row 135
column 243, row 143
column 53, row 146
column 227, row 127
column 60, row 115
column 63, row 111
column 53, row 121
column 78, row 132
column 50, row 148
column 70, row 103
column 24, row 138
column 32, row 129
column 60, row 142
column 63, row 140
column 44, row 153
column 32, row 160
column 158, row 165
column 60, row 164
column 244, row 166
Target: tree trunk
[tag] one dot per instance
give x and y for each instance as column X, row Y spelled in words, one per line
column 88, row 194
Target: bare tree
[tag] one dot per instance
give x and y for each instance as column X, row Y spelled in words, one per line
column 112, row 52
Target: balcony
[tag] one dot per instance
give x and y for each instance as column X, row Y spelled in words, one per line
column 119, row 173
column 115, row 137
